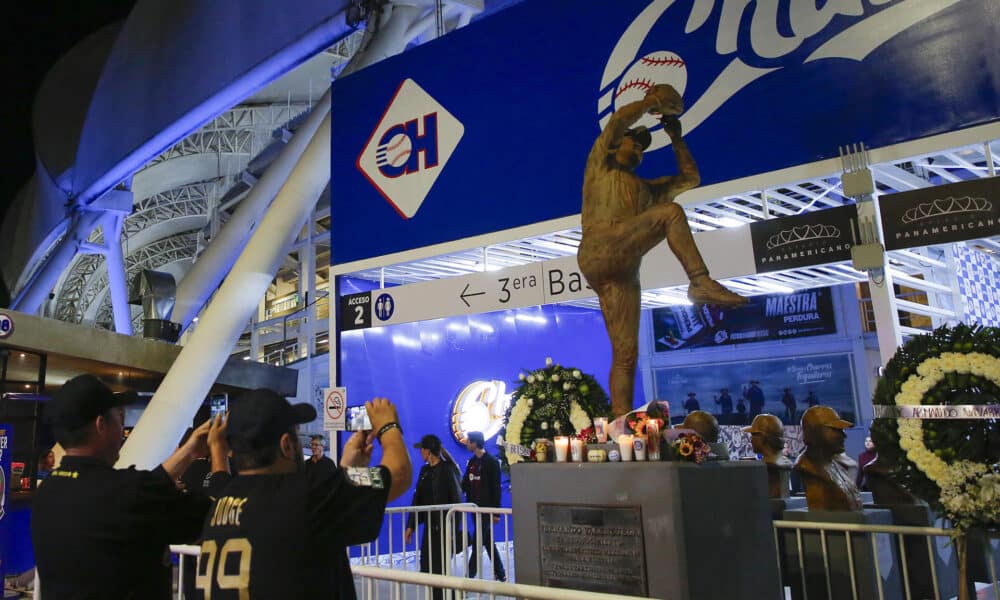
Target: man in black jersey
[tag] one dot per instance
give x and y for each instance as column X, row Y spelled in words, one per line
column 279, row 530
column 481, row 484
column 101, row 532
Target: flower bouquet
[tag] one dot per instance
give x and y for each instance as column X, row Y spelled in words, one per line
column 657, row 412
column 689, row 447
column 550, row 401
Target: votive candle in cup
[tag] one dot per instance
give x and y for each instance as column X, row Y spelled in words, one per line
column 576, row 449
column 625, row 447
column 601, row 429
column 562, row 446
column 639, row 446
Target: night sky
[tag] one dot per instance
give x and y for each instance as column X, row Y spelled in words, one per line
column 35, row 35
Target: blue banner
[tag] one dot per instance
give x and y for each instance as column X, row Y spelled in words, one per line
column 736, row 391
column 771, row 317
column 5, row 487
column 489, row 127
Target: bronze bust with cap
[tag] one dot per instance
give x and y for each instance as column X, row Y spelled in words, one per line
column 827, row 473
column 767, row 436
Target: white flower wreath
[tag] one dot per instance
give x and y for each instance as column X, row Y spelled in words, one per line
column 950, row 478
column 519, row 414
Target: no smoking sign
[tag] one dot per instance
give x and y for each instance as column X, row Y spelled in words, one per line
column 334, row 408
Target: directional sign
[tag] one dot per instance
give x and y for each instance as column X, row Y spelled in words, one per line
column 6, row 325
column 727, row 252
column 334, row 408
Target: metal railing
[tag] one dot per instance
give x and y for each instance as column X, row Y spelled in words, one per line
column 404, row 585
column 483, row 526
column 845, row 560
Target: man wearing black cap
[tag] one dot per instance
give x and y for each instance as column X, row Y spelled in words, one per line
column 438, row 483
column 625, row 216
column 99, row 532
column 481, row 485
column 279, row 530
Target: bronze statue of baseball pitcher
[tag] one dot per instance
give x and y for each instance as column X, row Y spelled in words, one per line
column 625, row 216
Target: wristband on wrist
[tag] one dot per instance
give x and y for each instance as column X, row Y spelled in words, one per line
column 387, row 427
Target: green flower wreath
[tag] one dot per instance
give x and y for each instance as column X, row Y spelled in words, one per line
column 949, row 463
column 550, row 401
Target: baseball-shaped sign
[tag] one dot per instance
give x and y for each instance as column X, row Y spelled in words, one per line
column 397, row 150
column 655, row 68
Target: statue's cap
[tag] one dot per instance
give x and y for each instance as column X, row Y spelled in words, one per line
column 765, row 423
column 824, row 416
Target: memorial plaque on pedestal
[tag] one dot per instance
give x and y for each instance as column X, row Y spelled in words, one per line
column 592, row 547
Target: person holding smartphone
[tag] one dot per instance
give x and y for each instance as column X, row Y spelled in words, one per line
column 278, row 530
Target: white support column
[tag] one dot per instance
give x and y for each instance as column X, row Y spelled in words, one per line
column 113, row 223
column 200, row 361
column 214, row 263
column 883, row 297
column 37, row 290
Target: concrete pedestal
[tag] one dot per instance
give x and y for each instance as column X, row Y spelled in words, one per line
column 688, row 531
column 870, row 564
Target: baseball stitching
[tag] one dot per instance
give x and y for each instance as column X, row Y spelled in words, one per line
column 674, row 62
column 643, row 84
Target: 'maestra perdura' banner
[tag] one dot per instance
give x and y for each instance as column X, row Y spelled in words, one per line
column 488, row 128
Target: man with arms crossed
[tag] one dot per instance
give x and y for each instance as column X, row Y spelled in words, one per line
column 278, row 530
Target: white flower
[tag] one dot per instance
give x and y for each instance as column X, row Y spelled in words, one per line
column 578, row 417
column 545, row 425
column 541, row 396
column 555, row 377
column 530, row 402
column 520, row 376
column 989, row 488
column 567, row 386
column 548, row 361
column 577, row 374
column 531, row 379
column 557, row 426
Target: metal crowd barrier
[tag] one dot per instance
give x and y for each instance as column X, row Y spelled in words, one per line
column 835, row 561
column 458, row 529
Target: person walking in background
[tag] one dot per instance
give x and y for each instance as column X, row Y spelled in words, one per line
column 46, row 462
column 316, row 447
column 867, row 455
column 811, row 399
column 789, row 401
column 755, row 398
column 438, row 483
column 481, row 484
column 692, row 404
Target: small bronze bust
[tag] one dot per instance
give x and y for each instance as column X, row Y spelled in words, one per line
column 827, row 473
column 767, row 436
column 707, row 427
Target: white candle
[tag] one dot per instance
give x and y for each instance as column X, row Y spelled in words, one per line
column 625, row 447
column 576, row 449
column 562, row 445
column 639, row 446
column 601, row 429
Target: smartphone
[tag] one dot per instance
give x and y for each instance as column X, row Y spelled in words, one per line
column 218, row 404
column 357, row 419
